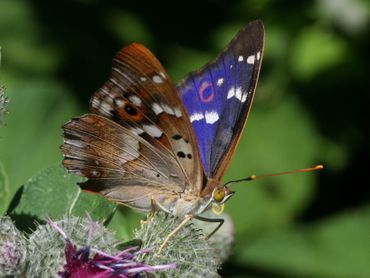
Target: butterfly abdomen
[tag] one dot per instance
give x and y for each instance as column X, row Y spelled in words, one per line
column 182, row 204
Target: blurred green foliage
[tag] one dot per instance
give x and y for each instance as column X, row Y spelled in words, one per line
column 4, row 190
column 312, row 106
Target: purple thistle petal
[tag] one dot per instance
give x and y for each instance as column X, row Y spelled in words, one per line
column 143, row 251
column 93, row 226
column 56, row 227
column 79, row 263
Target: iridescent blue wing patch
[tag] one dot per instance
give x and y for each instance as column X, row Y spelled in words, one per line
column 218, row 97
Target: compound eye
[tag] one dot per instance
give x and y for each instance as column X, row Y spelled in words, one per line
column 218, row 195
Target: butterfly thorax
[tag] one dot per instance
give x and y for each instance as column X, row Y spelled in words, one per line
column 181, row 204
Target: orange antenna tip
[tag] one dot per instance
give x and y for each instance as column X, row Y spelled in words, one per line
column 254, row 177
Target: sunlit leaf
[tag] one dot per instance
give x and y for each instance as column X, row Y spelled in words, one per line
column 124, row 221
column 54, row 193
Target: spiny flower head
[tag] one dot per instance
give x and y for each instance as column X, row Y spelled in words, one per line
column 80, row 263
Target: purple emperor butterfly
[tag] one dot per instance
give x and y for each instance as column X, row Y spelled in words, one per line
column 146, row 143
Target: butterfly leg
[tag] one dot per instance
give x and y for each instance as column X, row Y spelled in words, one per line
column 187, row 218
column 154, row 207
column 220, row 221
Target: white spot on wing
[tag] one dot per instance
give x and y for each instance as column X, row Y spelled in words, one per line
column 196, row 117
column 95, row 102
column 157, row 79
column 152, row 130
column 220, row 81
column 231, row 93
column 251, row 59
column 167, row 109
column 238, row 93
column 76, row 143
column 178, row 112
column 95, row 173
column 131, row 143
column 105, row 108
column 211, row 117
column 231, row 66
column 240, row 58
column 143, row 78
column 244, row 98
column 137, row 130
column 258, row 55
column 162, row 74
column 120, row 102
column 157, row 108
column 135, row 100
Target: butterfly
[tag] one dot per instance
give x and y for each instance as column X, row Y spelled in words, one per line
column 147, row 143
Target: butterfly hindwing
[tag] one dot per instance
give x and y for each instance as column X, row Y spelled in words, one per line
column 138, row 134
column 218, row 97
column 112, row 156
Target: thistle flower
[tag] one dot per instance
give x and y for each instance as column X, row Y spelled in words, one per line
column 46, row 250
column 194, row 256
column 80, row 263
column 13, row 251
column 223, row 240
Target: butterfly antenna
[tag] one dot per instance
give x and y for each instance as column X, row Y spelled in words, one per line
column 254, row 177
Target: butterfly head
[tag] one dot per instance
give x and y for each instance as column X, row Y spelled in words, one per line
column 220, row 194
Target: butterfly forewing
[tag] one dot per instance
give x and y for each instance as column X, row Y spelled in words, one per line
column 139, row 134
column 218, row 97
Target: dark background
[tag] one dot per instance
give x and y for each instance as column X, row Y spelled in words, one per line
column 312, row 106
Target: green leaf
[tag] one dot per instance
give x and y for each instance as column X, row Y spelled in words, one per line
column 54, row 193
column 334, row 247
column 124, row 221
column 4, row 189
